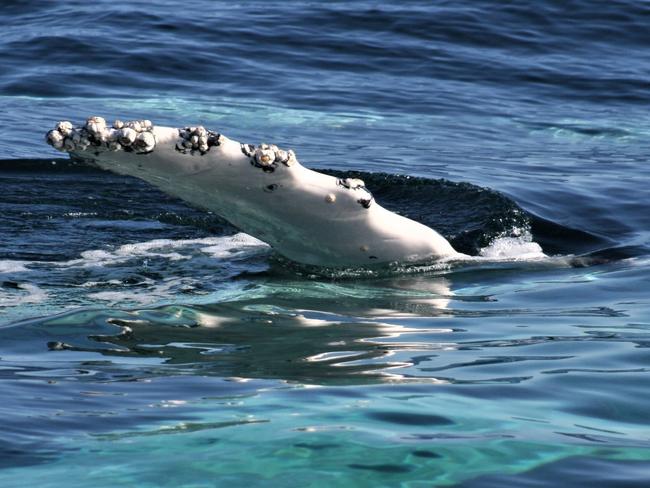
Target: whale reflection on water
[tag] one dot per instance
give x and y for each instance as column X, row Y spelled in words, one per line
column 301, row 338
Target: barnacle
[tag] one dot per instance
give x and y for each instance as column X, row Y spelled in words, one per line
column 136, row 136
column 193, row 139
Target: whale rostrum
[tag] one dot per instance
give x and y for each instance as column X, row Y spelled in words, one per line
column 306, row 216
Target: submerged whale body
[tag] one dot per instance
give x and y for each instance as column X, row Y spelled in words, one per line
column 305, row 215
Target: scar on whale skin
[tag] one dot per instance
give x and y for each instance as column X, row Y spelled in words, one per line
column 306, row 216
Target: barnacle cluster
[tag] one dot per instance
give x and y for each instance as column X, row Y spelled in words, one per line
column 268, row 156
column 197, row 139
column 351, row 183
column 355, row 184
column 132, row 136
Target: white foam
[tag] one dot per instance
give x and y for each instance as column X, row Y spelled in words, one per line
column 521, row 248
column 240, row 245
column 27, row 294
column 11, row 266
column 122, row 296
column 80, row 214
column 226, row 254
column 174, row 250
column 93, row 284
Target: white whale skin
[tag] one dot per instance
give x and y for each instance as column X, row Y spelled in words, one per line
column 306, row 216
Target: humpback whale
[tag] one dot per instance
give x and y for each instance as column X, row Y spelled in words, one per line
column 304, row 215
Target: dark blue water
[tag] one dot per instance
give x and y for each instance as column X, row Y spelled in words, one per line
column 146, row 343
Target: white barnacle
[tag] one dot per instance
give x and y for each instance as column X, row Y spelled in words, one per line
column 101, row 121
column 127, row 136
column 281, row 156
column 200, row 131
column 264, row 156
column 104, row 137
column 112, row 134
column 203, row 147
column 291, row 158
column 146, row 124
column 64, row 127
column 135, row 125
column 364, row 248
column 330, row 198
column 145, row 142
column 55, row 139
column 118, row 124
column 194, row 140
column 96, row 125
column 54, row 136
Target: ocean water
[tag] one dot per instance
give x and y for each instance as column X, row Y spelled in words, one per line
column 145, row 343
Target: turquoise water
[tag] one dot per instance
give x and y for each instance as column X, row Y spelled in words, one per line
column 146, row 343
column 291, row 382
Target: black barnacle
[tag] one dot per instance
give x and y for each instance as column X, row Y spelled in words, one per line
column 373, row 257
column 196, row 139
column 94, row 140
column 214, row 139
column 267, row 169
column 351, row 183
column 282, row 157
column 247, row 149
column 365, row 202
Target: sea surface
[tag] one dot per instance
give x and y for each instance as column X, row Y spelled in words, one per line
column 146, row 343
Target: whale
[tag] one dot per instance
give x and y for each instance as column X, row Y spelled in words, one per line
column 304, row 215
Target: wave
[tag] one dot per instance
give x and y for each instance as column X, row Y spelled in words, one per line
column 490, row 43
column 477, row 221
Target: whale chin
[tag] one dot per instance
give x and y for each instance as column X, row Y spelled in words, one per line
column 306, row 216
